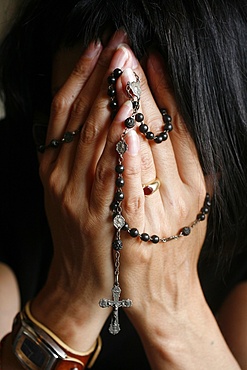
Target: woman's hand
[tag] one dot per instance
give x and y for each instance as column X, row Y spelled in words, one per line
column 169, row 310
column 161, row 271
column 79, row 185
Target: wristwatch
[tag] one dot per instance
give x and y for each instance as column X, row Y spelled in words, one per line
column 37, row 350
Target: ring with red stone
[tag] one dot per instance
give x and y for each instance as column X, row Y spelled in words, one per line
column 151, row 187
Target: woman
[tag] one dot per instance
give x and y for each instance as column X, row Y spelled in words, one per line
column 193, row 64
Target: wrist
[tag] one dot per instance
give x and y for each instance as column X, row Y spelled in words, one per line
column 73, row 315
column 35, row 346
column 191, row 331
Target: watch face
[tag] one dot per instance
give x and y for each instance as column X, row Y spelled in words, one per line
column 34, row 353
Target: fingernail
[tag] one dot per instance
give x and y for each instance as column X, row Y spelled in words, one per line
column 119, row 37
column 131, row 55
column 133, row 143
column 124, row 112
column 93, row 49
column 120, row 57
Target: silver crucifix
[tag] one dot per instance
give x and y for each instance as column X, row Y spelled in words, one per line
column 115, row 303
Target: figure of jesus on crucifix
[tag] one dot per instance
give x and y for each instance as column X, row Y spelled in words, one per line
column 115, row 303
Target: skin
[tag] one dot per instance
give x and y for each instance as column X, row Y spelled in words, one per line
column 170, row 314
column 9, row 298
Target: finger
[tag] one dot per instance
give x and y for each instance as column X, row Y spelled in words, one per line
column 147, row 164
column 158, row 160
column 106, row 172
column 90, row 107
column 94, row 134
column 63, row 100
column 183, row 146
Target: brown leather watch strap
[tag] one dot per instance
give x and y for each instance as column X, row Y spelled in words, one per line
column 69, row 365
column 84, row 361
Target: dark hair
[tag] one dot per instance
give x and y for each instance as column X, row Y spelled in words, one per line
column 203, row 43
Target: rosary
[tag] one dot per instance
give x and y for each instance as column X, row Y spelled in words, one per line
column 133, row 90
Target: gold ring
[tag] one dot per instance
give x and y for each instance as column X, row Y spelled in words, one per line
column 151, row 187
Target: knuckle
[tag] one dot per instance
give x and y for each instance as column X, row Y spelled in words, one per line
column 146, row 163
column 132, row 170
column 92, row 129
column 60, row 104
column 53, row 182
column 181, row 209
column 104, row 174
column 69, row 203
column 156, row 124
column 79, row 107
column 89, row 133
column 133, row 205
column 89, row 226
column 79, row 69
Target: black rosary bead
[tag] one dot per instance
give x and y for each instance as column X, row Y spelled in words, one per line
column 139, row 117
column 155, row 239
column 205, row 210
column 120, row 182
column 201, row 217
column 150, row 135
column 168, row 127
column 134, row 232
column 129, row 122
column 143, row 128
column 111, row 92
column 113, row 104
column 117, row 245
column 164, row 135
column 119, row 196
column 68, row 137
column 41, row 148
column 117, row 73
column 167, row 118
column 54, row 143
column 125, row 227
column 114, row 206
column 111, row 79
column 186, row 231
column 158, row 139
column 145, row 237
column 119, row 168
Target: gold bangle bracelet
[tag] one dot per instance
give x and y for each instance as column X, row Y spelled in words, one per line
column 96, row 347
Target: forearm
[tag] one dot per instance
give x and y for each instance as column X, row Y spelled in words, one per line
column 185, row 340
column 70, row 309
column 70, row 317
column 67, row 345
